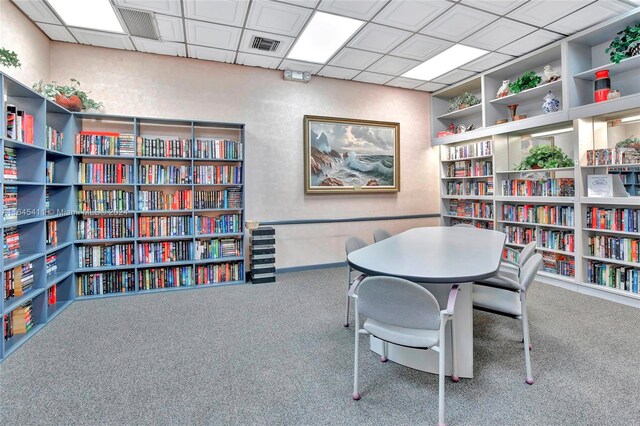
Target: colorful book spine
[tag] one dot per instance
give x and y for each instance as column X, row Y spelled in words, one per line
column 160, row 200
column 104, row 228
column 155, row 278
column 218, row 248
column 164, row 174
column 471, row 209
column 165, row 148
column 223, row 224
column 478, row 149
column 105, row 143
column 165, row 226
column 52, row 233
column 106, row 283
column 10, row 203
column 613, row 276
column 55, row 139
column 219, row 273
column 103, row 200
column 10, row 164
column 165, row 251
column 105, row 255
column 105, row 173
column 218, row 175
column 539, row 214
column 11, row 242
column 50, row 168
column 615, row 248
column 561, row 187
column 613, row 219
column 230, row 198
column 218, row 149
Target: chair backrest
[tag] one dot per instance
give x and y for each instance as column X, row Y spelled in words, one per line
column 463, row 225
column 526, row 253
column 529, row 270
column 396, row 301
column 380, row 234
column 353, row 244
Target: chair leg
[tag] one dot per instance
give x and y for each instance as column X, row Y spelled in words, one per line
column 441, row 364
column 346, row 317
column 454, row 360
column 525, row 334
column 385, row 352
column 356, row 394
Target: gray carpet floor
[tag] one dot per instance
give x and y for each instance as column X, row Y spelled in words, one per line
column 278, row 354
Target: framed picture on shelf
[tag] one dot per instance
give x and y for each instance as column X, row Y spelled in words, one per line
column 350, row 156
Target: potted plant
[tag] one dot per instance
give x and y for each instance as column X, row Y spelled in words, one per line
column 465, row 100
column 9, row 58
column 625, row 45
column 68, row 96
column 629, row 143
column 528, row 80
column 545, row 157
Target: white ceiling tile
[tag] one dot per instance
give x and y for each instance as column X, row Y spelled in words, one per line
column 421, row 47
column 212, row 35
column 501, row 32
column 529, row 43
column 283, row 47
column 170, row 28
column 458, row 22
column 336, row 72
column 393, row 65
column 454, row 76
column 407, row 83
column 355, row 59
column 487, row 62
column 378, row 38
column 544, row 12
column 228, row 12
column 304, row 3
column 358, row 9
column 411, row 15
column 38, row 11
column 102, row 39
column 431, row 87
column 56, row 32
column 257, row 60
column 277, row 18
column 158, row 47
column 300, row 66
column 371, row 77
column 499, row 7
column 209, row 54
column 590, row 15
column 167, row 7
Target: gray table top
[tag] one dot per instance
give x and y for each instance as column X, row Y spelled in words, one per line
column 433, row 254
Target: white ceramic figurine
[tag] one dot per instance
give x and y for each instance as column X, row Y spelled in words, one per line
column 504, row 89
column 551, row 74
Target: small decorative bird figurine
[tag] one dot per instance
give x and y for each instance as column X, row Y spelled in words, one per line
column 551, row 74
column 504, row 89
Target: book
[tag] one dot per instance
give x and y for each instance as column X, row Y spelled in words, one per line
column 10, row 164
column 104, row 228
column 176, row 276
column 49, row 176
column 55, row 139
column 93, row 256
column 105, row 282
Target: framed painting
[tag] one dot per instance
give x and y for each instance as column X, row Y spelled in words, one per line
column 350, row 156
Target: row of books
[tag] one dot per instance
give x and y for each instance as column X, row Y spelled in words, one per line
column 217, row 248
column 164, row 226
column 625, row 249
column 556, row 240
column 217, row 175
column 479, row 187
column 610, row 156
column 480, row 225
column 103, row 200
column 165, row 251
column 105, row 173
column 52, row 233
column 49, row 171
column 218, row 149
column 559, row 264
column 160, row 200
column 18, row 280
column 19, row 321
column 106, row 283
column 51, row 264
column 170, row 148
column 52, row 296
column 105, row 255
column 561, row 187
column 10, row 203
column 164, row 174
column 11, row 245
column 230, row 198
column 10, row 164
column 105, row 143
column 225, row 223
column 20, row 125
column 519, row 235
column 103, row 228
column 477, row 149
column 542, row 214
column 470, row 168
column 618, row 219
column 176, row 276
column 55, row 139
column 472, row 209
column 219, row 273
column 613, row 276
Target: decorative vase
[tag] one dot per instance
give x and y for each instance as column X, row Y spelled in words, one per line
column 512, row 110
column 613, row 94
column 602, row 86
column 551, row 103
column 72, row 103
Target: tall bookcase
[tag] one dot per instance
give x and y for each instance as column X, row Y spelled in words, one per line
column 68, row 234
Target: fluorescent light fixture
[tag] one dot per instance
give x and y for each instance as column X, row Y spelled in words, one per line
column 92, row 14
column 322, row 37
column 444, row 62
column 633, row 117
column 552, row 132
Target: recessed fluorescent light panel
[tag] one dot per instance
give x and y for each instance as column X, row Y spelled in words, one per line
column 92, row 14
column 444, row 62
column 630, row 119
column 552, row 132
column 322, row 37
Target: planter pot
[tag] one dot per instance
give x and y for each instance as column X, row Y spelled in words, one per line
column 536, row 167
column 72, row 103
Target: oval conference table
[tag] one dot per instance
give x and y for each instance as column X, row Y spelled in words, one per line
column 437, row 258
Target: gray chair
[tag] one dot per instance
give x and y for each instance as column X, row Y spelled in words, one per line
column 404, row 313
column 350, row 245
column 511, row 269
column 463, row 225
column 380, row 234
column 507, row 296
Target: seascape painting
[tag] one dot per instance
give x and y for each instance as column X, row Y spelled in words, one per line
column 348, row 156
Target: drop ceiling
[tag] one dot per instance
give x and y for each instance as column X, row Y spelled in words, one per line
column 397, row 35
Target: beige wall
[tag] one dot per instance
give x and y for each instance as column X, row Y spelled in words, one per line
column 19, row 34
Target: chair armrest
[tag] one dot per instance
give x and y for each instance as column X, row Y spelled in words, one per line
column 355, row 284
column 451, row 303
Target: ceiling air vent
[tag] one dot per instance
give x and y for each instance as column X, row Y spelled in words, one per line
column 265, row 44
column 140, row 24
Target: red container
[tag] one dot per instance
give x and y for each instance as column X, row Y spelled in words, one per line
column 602, row 85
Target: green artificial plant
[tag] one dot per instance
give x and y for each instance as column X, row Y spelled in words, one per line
column 545, row 157
column 528, row 80
column 51, row 90
column 9, row 58
column 463, row 101
column 628, row 142
column 625, row 45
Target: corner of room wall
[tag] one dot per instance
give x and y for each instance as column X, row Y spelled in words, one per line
column 19, row 34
